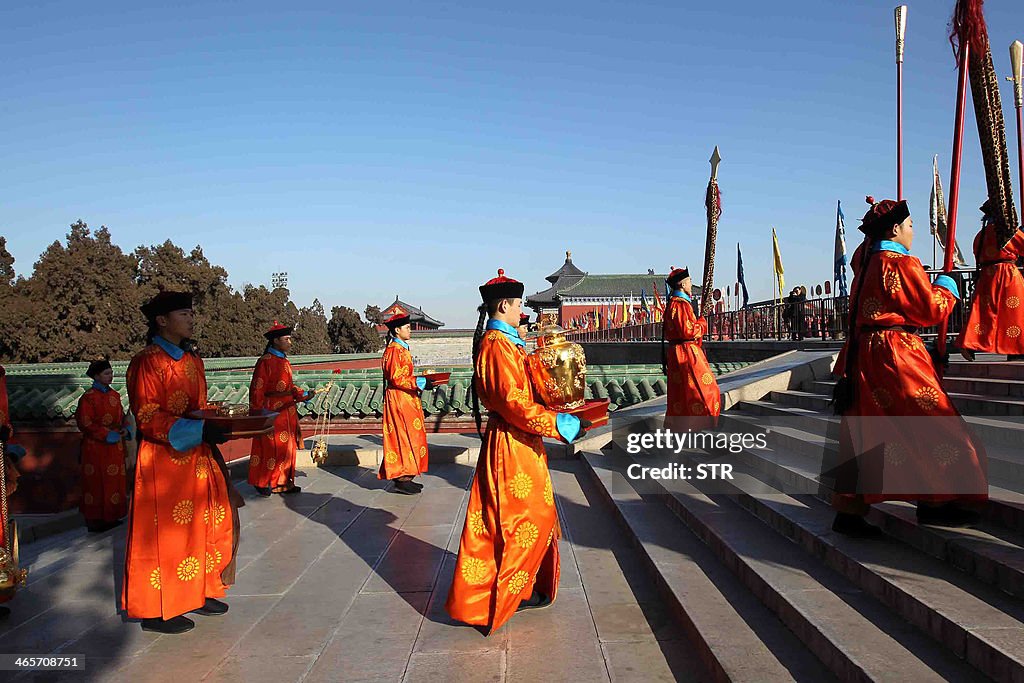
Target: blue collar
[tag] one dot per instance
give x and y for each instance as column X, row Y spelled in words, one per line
column 509, row 331
column 682, row 295
column 99, row 386
column 889, row 245
column 175, row 352
column 279, row 354
column 398, row 341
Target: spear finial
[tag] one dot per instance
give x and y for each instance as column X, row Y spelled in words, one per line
column 715, row 159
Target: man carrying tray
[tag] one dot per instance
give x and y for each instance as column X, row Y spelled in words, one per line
column 182, row 523
column 272, row 463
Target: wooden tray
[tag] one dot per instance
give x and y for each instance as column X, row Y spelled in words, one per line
column 256, row 423
column 437, row 378
column 594, row 410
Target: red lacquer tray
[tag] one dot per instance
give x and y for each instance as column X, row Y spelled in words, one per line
column 594, row 410
column 256, row 423
column 437, row 378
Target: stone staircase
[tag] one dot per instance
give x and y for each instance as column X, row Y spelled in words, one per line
column 766, row 591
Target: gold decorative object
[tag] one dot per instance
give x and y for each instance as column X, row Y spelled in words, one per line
column 557, row 368
column 11, row 575
column 232, row 409
column 323, row 425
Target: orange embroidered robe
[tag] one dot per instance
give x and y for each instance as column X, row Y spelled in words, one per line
column 997, row 317
column 902, row 439
column 692, row 388
column 181, row 528
column 272, row 462
column 509, row 541
column 405, row 439
column 9, row 471
column 100, row 419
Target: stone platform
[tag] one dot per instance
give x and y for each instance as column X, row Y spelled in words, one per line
column 346, row 581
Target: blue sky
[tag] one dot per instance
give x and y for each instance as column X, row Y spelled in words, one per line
column 415, row 147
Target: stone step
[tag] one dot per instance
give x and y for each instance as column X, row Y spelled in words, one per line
column 1002, row 438
column 968, row 403
column 974, row 621
column 986, row 366
column 1003, row 429
column 735, row 636
column 851, row 634
column 987, row 386
column 992, row 554
column 1006, row 502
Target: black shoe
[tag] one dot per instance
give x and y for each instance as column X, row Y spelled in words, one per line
column 263, row 491
column 854, row 526
column 535, row 601
column 1015, row 357
column 406, row 488
column 100, row 527
column 416, row 484
column 211, row 608
column 948, row 515
column 178, row 624
column 292, row 489
column 4, row 612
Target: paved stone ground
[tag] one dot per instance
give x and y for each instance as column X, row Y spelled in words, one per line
column 347, row 582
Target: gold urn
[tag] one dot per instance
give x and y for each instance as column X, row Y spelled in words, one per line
column 557, row 368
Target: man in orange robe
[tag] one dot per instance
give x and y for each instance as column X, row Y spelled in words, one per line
column 8, row 470
column 997, row 317
column 405, row 439
column 508, row 554
column 182, row 523
column 272, row 463
column 102, row 422
column 901, row 438
column 694, row 400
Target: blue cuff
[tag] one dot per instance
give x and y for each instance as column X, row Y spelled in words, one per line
column 128, row 433
column 948, row 283
column 185, row 434
column 421, row 382
column 113, row 437
column 568, row 426
column 16, row 451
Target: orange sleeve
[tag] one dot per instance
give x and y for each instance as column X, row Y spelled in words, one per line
column 504, row 383
column 398, row 370
column 203, row 388
column 1016, row 243
column 258, row 386
column 146, row 399
column 85, row 418
column 921, row 302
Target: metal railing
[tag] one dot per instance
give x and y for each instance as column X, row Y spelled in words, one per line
column 825, row 318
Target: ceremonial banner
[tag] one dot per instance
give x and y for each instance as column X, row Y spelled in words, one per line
column 739, row 275
column 778, row 262
column 840, row 252
column 937, row 214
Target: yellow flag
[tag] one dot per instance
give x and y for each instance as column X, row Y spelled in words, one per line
column 778, row 262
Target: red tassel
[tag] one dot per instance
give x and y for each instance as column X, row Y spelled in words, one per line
column 967, row 27
column 870, row 200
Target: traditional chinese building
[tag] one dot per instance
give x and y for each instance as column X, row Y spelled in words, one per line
column 418, row 319
column 576, row 294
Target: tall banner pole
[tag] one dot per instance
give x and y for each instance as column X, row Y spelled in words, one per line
column 901, row 32
column 713, row 203
column 1016, row 57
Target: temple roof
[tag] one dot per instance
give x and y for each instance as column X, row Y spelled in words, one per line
column 568, row 270
column 415, row 314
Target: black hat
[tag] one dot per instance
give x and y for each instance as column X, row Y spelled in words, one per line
column 165, row 302
column 677, row 275
column 501, row 287
column 397, row 320
column 278, row 330
column 883, row 215
column 96, row 367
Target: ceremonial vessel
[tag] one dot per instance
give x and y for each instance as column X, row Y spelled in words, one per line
column 558, row 372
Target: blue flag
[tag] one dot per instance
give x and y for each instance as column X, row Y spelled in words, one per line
column 840, row 253
column 739, row 275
